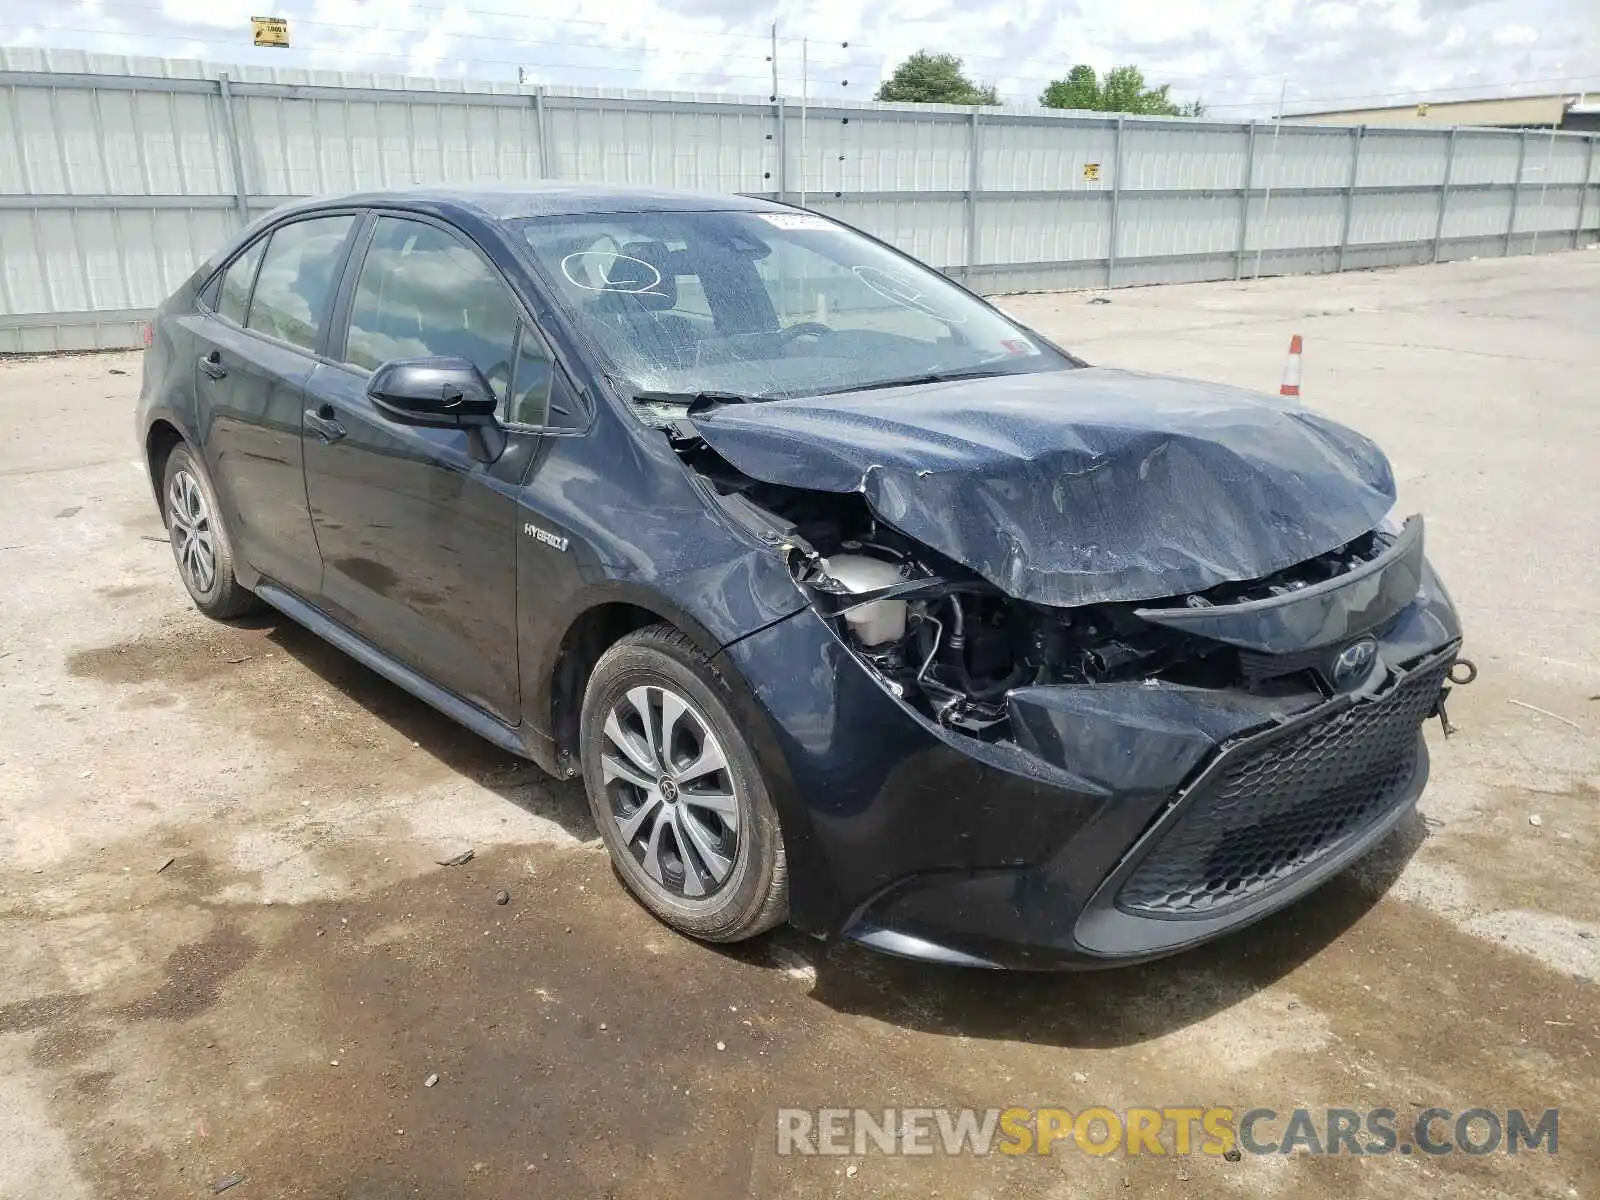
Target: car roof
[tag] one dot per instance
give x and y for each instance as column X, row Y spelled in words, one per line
column 539, row 198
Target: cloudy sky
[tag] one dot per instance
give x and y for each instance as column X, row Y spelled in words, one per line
column 1235, row 55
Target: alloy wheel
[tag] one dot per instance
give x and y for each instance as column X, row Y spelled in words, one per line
column 671, row 792
column 189, row 525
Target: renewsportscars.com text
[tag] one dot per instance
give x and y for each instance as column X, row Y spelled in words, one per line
column 1176, row 1130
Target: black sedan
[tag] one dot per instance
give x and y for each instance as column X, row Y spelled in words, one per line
column 854, row 602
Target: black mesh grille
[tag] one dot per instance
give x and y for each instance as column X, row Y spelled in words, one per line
column 1271, row 811
column 1256, row 665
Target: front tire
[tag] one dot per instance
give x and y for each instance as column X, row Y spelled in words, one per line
column 200, row 541
column 676, row 792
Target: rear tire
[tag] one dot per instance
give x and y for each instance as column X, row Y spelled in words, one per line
column 201, row 544
column 676, row 791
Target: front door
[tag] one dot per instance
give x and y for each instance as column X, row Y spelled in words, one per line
column 418, row 539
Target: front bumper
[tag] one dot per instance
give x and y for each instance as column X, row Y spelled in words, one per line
column 1120, row 823
column 1270, row 818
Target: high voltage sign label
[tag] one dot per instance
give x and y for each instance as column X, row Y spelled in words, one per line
column 270, row 31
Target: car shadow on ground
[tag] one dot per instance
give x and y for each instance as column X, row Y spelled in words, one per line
column 514, row 779
column 1083, row 1009
column 1104, row 1008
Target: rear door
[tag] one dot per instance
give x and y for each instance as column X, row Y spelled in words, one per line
column 257, row 348
column 418, row 539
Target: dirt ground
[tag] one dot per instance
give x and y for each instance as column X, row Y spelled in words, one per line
column 272, row 1003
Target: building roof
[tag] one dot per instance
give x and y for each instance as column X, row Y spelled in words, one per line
column 1515, row 111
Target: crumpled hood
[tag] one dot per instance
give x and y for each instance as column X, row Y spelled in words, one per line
column 1078, row 486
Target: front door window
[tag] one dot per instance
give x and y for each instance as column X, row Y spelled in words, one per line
column 424, row 294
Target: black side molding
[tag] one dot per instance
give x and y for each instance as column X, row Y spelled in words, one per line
column 368, row 655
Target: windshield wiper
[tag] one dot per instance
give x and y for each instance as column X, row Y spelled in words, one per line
column 696, row 401
column 945, row 376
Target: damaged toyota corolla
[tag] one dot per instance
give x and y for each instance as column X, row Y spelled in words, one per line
column 852, row 600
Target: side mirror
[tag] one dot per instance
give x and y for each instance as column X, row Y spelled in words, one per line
column 440, row 393
column 445, row 393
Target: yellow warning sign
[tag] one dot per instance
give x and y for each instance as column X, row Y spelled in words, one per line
column 1091, row 172
column 270, row 31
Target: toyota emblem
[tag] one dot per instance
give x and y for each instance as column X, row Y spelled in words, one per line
column 1353, row 663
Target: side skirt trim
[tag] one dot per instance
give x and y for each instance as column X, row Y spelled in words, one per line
column 368, row 655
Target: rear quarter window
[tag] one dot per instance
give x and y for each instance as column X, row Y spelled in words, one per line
column 233, row 297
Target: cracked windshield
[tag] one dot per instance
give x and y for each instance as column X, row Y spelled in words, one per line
column 766, row 305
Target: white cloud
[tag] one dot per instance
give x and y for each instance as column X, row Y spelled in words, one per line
column 216, row 14
column 1335, row 16
column 1234, row 54
column 1516, row 35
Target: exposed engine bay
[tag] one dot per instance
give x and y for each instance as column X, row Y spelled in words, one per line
column 952, row 644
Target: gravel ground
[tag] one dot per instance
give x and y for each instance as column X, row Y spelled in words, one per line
column 273, row 1002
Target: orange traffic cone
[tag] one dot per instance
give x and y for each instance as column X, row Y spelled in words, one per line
column 1291, row 369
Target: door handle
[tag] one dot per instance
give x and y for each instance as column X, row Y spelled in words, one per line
column 322, row 420
column 211, row 364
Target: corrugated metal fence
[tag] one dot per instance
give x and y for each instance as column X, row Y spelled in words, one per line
column 118, row 175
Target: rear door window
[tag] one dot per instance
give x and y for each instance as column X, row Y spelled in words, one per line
column 234, row 298
column 296, row 280
column 425, row 293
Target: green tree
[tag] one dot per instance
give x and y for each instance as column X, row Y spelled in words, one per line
column 1122, row 90
column 934, row 79
column 1080, row 89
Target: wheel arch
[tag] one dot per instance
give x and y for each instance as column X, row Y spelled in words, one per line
column 160, row 440
column 593, row 630
column 600, row 626
column 603, row 623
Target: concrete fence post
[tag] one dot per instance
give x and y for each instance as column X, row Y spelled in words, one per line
column 974, row 183
column 1116, row 203
column 1583, row 193
column 1244, row 205
column 541, row 120
column 1444, row 193
column 230, row 130
column 1358, row 137
column 1516, row 193
column 780, row 140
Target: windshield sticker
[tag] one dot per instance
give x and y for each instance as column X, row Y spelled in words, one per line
column 607, row 271
column 904, row 290
column 1018, row 346
column 796, row 220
